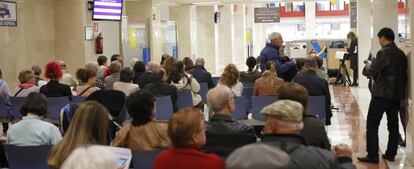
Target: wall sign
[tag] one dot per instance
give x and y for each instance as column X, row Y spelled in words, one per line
column 353, row 14
column 266, row 15
column 8, row 13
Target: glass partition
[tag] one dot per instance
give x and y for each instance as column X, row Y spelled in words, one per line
column 135, row 41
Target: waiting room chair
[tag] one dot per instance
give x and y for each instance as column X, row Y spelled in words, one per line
column 4, row 110
column 27, row 157
column 164, row 108
column 145, row 159
column 203, row 91
column 55, row 104
column 248, row 93
column 78, row 99
column 258, row 103
column 240, row 111
column 16, row 103
column 316, row 106
column 215, row 80
column 248, row 84
column 184, row 99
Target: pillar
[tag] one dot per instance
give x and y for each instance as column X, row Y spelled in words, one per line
column 383, row 10
column 364, row 18
column 240, row 46
column 410, row 127
column 184, row 15
column 310, row 19
column 225, row 36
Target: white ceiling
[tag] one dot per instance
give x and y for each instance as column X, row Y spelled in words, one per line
column 225, row 1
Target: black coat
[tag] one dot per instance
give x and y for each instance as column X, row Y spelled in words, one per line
column 353, row 53
column 389, row 73
column 314, row 132
column 316, row 86
column 201, row 75
column 144, row 79
column 162, row 88
column 55, row 89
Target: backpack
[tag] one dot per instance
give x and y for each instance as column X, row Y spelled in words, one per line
column 66, row 114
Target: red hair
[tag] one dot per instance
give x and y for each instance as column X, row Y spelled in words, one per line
column 53, row 70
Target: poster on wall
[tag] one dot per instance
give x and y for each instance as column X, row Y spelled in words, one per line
column 297, row 49
column 8, row 13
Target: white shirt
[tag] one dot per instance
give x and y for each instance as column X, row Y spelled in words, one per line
column 237, row 88
column 32, row 131
column 127, row 88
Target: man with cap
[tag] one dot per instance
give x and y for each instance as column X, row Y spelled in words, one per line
column 271, row 53
column 282, row 130
column 258, row 155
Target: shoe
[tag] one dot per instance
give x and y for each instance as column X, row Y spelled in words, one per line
column 368, row 160
column 389, row 158
column 354, row 85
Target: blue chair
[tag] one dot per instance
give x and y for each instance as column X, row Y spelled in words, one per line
column 55, row 104
column 184, row 99
column 215, row 80
column 4, row 110
column 164, row 108
column 16, row 103
column 248, row 84
column 240, row 112
column 78, row 99
column 33, row 157
column 203, row 91
column 145, row 159
column 258, row 103
column 248, row 93
column 316, row 106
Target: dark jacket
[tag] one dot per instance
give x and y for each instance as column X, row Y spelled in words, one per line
column 306, row 157
column 136, row 75
column 162, row 88
column 144, row 79
column 353, row 54
column 249, row 77
column 389, row 73
column 271, row 52
column 201, row 75
column 55, row 89
column 225, row 135
column 314, row 132
column 317, row 86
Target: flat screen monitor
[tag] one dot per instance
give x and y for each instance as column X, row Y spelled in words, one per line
column 109, row 10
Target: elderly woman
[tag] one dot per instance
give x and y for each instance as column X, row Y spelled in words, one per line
column 32, row 130
column 87, row 78
column 186, row 130
column 269, row 83
column 230, row 78
column 143, row 133
column 54, row 88
column 27, row 84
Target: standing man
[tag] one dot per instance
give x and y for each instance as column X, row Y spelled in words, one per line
column 272, row 53
column 389, row 74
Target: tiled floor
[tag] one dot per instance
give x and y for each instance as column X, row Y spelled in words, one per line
column 349, row 122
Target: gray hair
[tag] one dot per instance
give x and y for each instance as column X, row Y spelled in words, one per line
column 200, row 61
column 218, row 96
column 92, row 157
column 37, row 70
column 274, row 35
column 133, row 61
column 153, row 67
column 92, row 66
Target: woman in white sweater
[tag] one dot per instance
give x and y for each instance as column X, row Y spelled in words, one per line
column 230, row 78
column 183, row 80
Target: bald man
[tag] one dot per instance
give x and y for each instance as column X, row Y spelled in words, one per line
column 201, row 74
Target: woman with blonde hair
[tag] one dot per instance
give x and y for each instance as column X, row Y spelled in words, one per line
column 230, row 78
column 269, row 83
column 89, row 126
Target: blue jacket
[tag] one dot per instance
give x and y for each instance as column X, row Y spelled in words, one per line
column 271, row 52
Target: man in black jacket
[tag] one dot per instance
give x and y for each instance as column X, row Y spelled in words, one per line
column 389, row 74
column 148, row 76
column 201, row 74
column 224, row 134
column 161, row 88
column 282, row 127
column 316, row 86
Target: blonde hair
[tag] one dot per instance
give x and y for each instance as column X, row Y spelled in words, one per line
column 88, row 126
column 230, row 75
column 91, row 157
column 270, row 74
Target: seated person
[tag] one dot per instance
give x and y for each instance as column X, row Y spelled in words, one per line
column 27, row 84
column 91, row 157
column 115, row 69
column 31, row 130
column 230, row 78
column 320, row 72
column 139, row 69
column 224, row 134
column 201, row 74
column 186, row 130
column 143, row 133
column 67, row 78
column 282, row 127
column 313, row 130
column 125, row 82
column 161, row 88
column 148, row 76
column 269, row 83
column 251, row 74
column 316, row 86
column 54, row 88
column 87, row 80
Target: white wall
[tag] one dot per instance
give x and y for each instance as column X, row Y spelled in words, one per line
column 111, row 36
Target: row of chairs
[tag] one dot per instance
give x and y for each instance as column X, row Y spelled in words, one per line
column 35, row 157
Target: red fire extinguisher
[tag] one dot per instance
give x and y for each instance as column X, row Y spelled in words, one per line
column 99, row 44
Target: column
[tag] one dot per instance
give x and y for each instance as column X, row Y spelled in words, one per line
column 240, row 45
column 383, row 10
column 410, row 127
column 364, row 36
column 206, row 37
column 225, row 36
column 310, row 19
column 184, row 15
column 259, row 32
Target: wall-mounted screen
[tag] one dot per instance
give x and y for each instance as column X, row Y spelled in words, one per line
column 110, row 10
